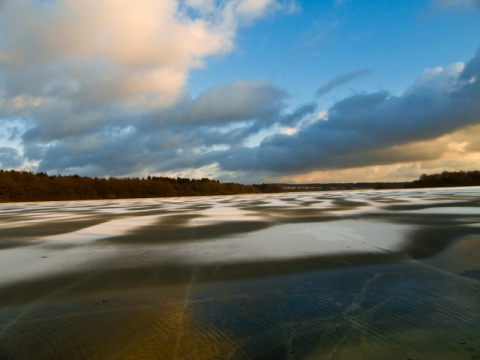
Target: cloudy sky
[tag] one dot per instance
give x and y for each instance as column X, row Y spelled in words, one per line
column 240, row 90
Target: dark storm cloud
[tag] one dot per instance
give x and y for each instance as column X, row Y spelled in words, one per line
column 106, row 139
column 367, row 129
column 9, row 158
column 298, row 114
column 100, row 155
column 341, row 80
column 97, row 140
column 363, row 129
column 221, row 105
column 240, row 100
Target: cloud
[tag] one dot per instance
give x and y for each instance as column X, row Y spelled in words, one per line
column 77, row 71
column 211, row 131
column 372, row 128
column 97, row 88
column 10, row 158
column 104, row 51
column 402, row 171
column 175, row 138
column 240, row 100
column 341, row 80
column 438, row 79
column 129, row 54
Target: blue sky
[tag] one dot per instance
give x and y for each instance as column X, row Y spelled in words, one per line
column 299, row 52
column 242, row 90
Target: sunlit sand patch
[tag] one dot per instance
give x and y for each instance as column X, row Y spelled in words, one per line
column 222, row 213
column 73, row 250
column 366, row 209
column 34, row 232
column 474, row 222
column 300, row 240
column 104, row 230
column 39, row 219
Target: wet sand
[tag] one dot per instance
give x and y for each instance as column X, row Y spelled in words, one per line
column 340, row 275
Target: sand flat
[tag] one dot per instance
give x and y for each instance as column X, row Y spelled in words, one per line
column 294, row 275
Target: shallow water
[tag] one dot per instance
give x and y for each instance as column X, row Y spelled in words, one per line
column 337, row 275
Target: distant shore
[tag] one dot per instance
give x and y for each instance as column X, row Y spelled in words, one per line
column 23, row 186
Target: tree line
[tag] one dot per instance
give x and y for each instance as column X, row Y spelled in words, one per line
column 446, row 179
column 28, row 186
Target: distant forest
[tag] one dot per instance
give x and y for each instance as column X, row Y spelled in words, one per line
column 28, row 186
column 445, row 179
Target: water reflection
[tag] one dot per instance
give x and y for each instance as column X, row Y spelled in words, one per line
column 138, row 284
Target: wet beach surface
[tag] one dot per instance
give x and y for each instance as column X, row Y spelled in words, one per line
column 391, row 274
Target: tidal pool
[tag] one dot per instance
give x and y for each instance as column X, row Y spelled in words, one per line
column 391, row 274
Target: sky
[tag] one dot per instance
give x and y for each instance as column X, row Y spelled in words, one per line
column 249, row 91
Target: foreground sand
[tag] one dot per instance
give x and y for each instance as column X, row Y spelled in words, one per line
column 341, row 275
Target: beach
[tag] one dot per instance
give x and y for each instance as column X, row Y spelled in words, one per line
column 308, row 275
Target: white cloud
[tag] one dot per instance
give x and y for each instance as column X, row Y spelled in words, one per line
column 288, row 131
column 137, row 53
column 21, row 103
column 438, row 79
column 253, row 8
column 319, row 116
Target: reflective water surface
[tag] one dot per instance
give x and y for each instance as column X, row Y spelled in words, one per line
column 334, row 275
